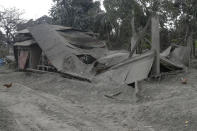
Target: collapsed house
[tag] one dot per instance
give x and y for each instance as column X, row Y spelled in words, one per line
column 52, row 47
column 80, row 54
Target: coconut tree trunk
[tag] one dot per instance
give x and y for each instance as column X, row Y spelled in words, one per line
column 156, row 45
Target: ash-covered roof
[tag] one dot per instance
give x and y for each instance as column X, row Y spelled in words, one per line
column 25, row 43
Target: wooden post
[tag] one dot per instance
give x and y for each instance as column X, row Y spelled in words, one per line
column 30, row 57
column 194, row 49
column 18, row 53
column 156, row 45
column 136, row 87
column 190, row 45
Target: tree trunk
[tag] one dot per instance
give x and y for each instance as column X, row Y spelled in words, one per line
column 156, row 45
column 135, row 39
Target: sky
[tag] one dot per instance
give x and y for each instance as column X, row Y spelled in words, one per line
column 32, row 9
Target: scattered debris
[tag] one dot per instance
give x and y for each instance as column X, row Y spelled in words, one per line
column 10, row 59
column 113, row 95
column 186, row 123
column 78, row 54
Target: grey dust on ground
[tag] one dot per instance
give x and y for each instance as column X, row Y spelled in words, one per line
column 48, row 102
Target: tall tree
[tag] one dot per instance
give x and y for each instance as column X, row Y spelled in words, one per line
column 42, row 20
column 186, row 19
column 75, row 13
column 127, row 17
column 130, row 21
column 9, row 19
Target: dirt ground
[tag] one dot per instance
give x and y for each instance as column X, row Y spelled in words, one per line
column 48, row 102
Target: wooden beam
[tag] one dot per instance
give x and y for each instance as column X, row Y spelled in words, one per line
column 63, row 74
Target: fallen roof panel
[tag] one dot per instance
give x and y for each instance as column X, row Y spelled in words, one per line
column 131, row 70
column 60, row 28
column 171, row 65
column 81, row 39
column 59, row 52
column 25, row 43
column 181, row 54
column 25, row 31
column 55, row 27
column 175, row 58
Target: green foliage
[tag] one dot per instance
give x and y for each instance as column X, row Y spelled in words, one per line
column 75, row 13
column 120, row 14
column 177, row 19
column 196, row 44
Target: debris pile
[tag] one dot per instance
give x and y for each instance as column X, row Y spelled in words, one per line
column 79, row 54
column 52, row 47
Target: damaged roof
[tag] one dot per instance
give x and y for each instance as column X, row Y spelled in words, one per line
column 58, row 51
column 25, row 43
column 64, row 46
column 81, row 39
column 55, row 27
column 175, row 58
column 67, row 48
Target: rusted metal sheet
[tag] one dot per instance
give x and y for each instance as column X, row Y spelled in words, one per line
column 23, row 57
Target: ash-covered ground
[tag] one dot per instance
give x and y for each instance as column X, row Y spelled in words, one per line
column 48, row 102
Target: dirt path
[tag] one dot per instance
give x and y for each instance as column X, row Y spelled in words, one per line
column 47, row 102
column 35, row 110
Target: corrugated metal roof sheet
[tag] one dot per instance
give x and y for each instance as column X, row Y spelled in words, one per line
column 81, row 39
column 55, row 27
column 25, row 43
column 25, row 31
column 57, row 49
column 59, row 28
column 130, row 70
